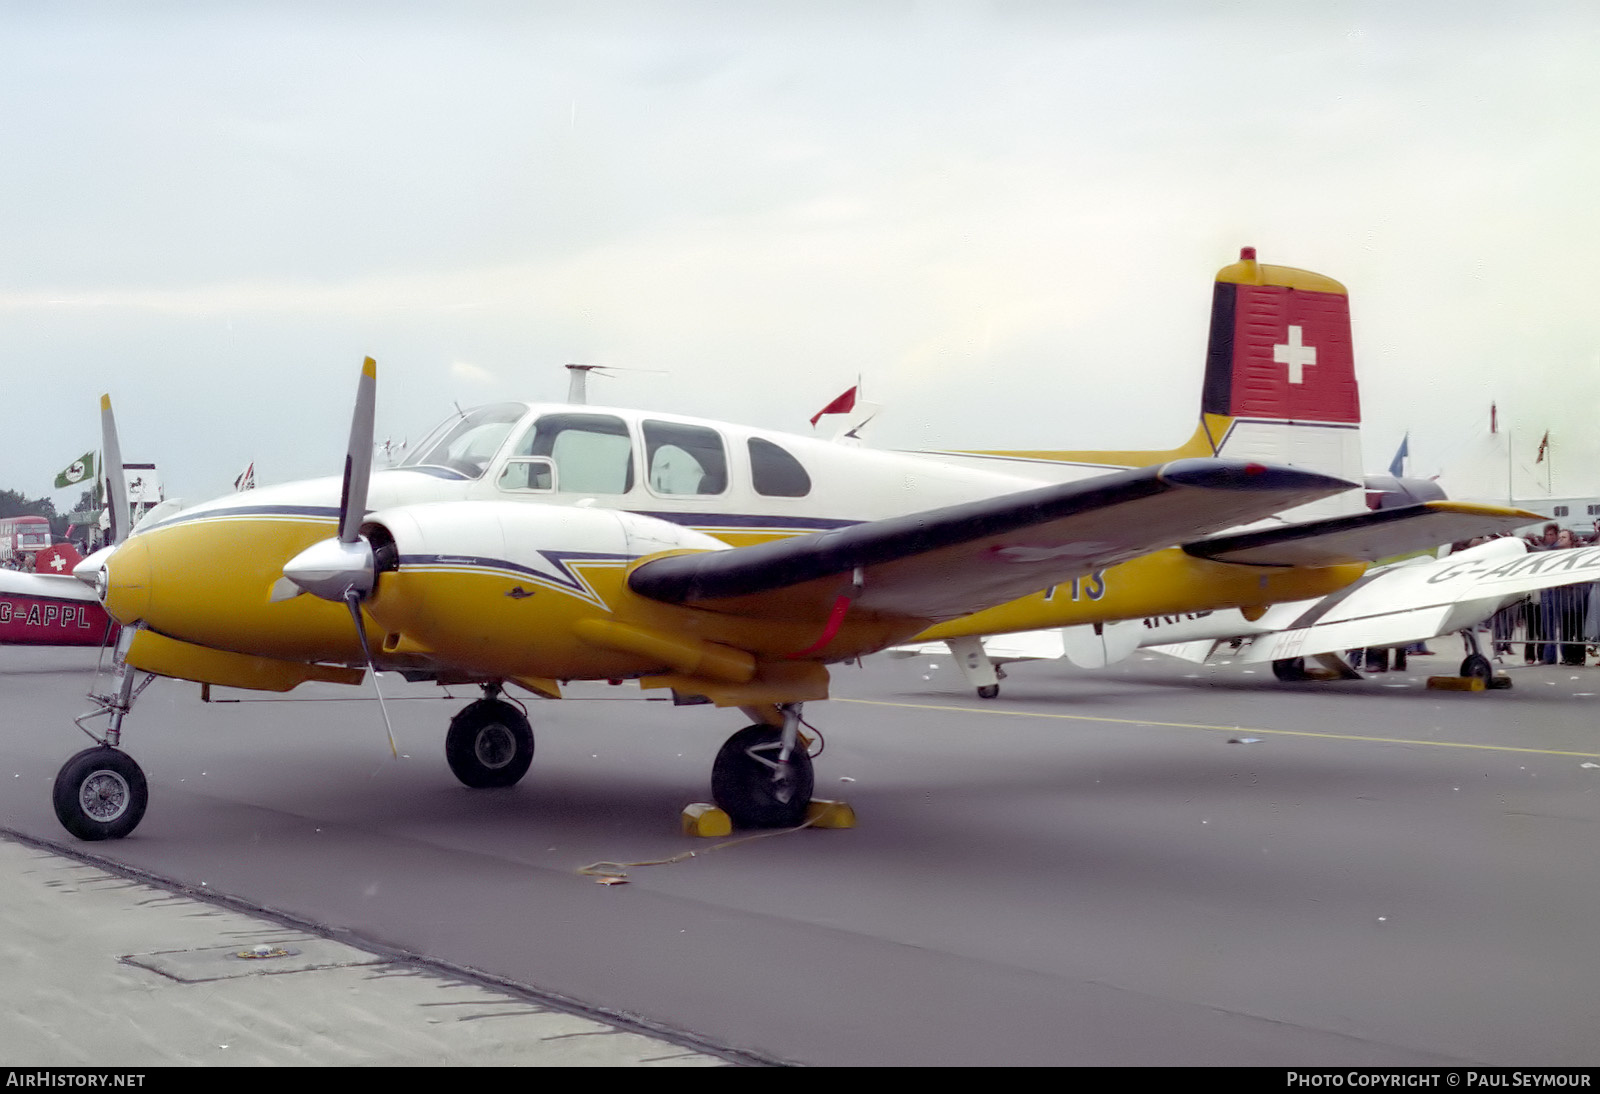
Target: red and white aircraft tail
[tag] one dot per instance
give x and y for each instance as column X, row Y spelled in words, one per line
column 1280, row 381
column 1280, row 387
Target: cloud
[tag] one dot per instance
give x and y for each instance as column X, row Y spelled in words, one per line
column 473, row 373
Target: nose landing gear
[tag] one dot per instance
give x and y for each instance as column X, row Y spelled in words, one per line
column 101, row 793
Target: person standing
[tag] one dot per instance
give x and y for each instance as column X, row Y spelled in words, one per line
column 1572, row 606
column 1540, row 611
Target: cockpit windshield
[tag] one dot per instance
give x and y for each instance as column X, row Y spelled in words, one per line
column 467, row 442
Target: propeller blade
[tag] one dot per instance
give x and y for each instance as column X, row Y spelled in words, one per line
column 352, row 600
column 111, row 465
column 335, row 568
column 358, row 458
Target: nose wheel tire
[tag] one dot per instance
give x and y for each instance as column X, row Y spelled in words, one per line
column 1478, row 665
column 489, row 744
column 100, row 794
column 756, row 791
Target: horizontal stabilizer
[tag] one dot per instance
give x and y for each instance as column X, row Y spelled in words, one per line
column 952, row 561
column 1364, row 537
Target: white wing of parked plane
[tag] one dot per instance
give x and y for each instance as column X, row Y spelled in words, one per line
column 1415, row 603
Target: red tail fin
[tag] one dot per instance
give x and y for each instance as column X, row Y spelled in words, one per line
column 1280, row 346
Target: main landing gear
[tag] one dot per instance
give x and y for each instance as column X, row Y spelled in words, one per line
column 490, row 742
column 762, row 776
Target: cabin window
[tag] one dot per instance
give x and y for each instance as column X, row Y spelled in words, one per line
column 467, row 443
column 528, row 473
column 776, row 474
column 593, row 453
column 1559, row 511
column 685, row 459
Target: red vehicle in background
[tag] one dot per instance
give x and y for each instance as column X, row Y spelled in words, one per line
column 21, row 538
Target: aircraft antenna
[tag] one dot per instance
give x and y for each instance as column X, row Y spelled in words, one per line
column 578, row 382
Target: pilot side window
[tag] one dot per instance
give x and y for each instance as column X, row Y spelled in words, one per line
column 685, row 459
column 776, row 474
column 593, row 453
column 467, row 442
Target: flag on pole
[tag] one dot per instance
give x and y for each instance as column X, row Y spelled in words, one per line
column 246, row 479
column 1397, row 465
column 81, row 471
column 1544, row 443
column 844, row 404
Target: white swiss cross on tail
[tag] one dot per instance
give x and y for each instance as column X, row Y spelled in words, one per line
column 1295, row 355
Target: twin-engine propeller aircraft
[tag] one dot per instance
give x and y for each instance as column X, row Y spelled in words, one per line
column 530, row 545
column 502, row 591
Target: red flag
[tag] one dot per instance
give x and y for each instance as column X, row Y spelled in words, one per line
column 1494, row 426
column 1544, row 443
column 844, row 404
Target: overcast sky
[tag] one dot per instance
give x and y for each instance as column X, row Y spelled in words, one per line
column 1005, row 217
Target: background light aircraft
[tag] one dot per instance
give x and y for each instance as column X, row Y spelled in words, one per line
column 1411, row 601
column 1280, row 386
column 534, row 544
column 49, row 608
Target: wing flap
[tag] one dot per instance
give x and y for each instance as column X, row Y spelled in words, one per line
column 1364, row 537
column 949, row 562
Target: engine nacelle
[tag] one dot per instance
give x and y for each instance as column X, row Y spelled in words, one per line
column 501, row 588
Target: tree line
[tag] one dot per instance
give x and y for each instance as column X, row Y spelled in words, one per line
column 14, row 504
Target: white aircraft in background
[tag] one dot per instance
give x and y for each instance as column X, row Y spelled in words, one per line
column 1410, row 601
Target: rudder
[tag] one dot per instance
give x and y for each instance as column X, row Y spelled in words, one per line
column 1280, row 382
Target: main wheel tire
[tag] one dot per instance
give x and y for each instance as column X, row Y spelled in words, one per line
column 989, row 691
column 100, row 794
column 744, row 787
column 1477, row 665
column 489, row 744
column 1290, row 669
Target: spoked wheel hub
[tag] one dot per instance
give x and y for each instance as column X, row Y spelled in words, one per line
column 100, row 794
